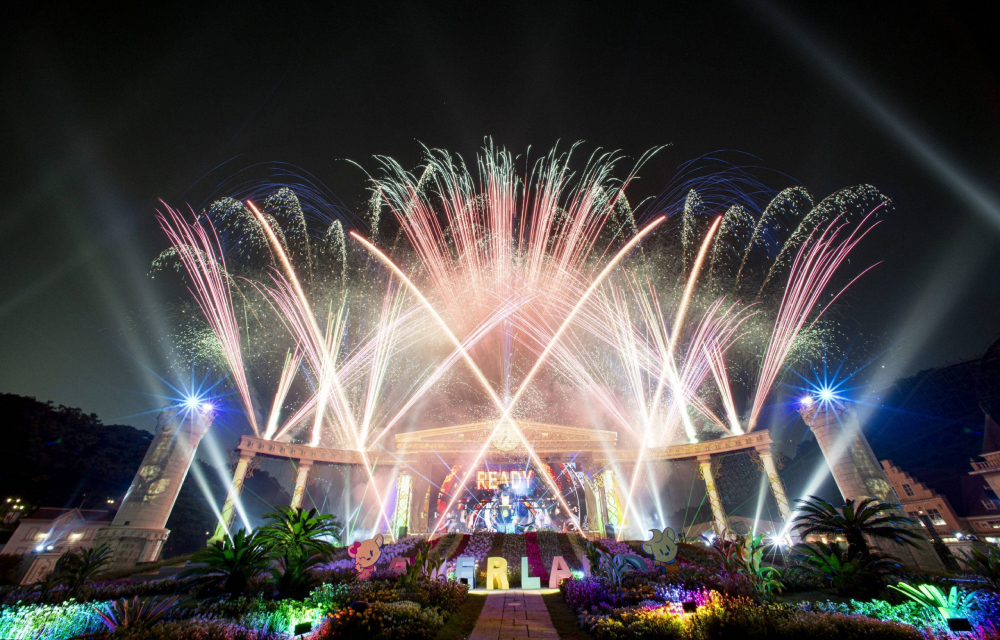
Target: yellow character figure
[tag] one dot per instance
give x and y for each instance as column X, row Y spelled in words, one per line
column 366, row 553
column 663, row 547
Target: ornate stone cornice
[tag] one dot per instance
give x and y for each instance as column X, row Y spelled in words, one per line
column 259, row 446
column 752, row 440
column 468, row 438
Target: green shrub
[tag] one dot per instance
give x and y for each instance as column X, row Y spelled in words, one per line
column 274, row 616
column 382, row 621
column 446, row 596
column 330, row 597
column 909, row 612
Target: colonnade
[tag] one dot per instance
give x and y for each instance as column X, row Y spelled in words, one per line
column 418, row 486
column 720, row 520
column 303, row 466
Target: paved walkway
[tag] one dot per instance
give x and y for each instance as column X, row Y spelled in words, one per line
column 514, row 615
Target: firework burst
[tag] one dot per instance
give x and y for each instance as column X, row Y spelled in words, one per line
column 499, row 284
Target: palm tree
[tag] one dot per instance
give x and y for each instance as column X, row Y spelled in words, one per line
column 985, row 565
column 74, row 570
column 231, row 564
column 299, row 540
column 297, row 531
column 837, row 568
column 855, row 522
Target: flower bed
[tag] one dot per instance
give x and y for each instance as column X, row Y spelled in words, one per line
column 400, row 548
column 983, row 610
column 476, row 546
column 549, row 547
column 382, row 621
column 723, row 618
column 50, row 621
column 462, row 544
column 101, row 590
column 575, row 542
column 201, row 628
column 615, row 547
column 445, row 546
column 536, row 565
column 513, row 548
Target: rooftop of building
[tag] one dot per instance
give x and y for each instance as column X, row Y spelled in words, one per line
column 48, row 514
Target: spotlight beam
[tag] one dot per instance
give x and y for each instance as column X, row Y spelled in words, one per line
column 328, row 366
column 669, row 365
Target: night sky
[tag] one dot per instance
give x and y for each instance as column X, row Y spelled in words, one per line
column 105, row 111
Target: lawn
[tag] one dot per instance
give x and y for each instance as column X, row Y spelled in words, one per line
column 463, row 620
column 563, row 619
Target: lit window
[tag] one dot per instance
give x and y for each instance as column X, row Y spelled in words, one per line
column 75, row 536
column 908, row 490
column 935, row 517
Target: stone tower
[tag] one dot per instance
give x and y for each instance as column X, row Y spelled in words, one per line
column 859, row 474
column 138, row 531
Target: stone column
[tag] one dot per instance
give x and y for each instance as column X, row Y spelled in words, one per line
column 858, row 473
column 612, row 500
column 438, row 474
column 235, row 489
column 139, row 529
column 300, row 482
column 404, row 497
column 420, row 484
column 718, row 513
column 594, row 520
column 777, row 486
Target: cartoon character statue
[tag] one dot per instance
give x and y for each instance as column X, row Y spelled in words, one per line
column 366, row 553
column 663, row 547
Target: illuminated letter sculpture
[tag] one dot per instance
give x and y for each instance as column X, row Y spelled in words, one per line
column 496, row 574
column 560, row 571
column 528, row 581
column 465, row 570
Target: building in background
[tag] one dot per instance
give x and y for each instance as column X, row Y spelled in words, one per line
column 57, row 530
column 921, row 501
column 926, row 430
column 45, row 534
